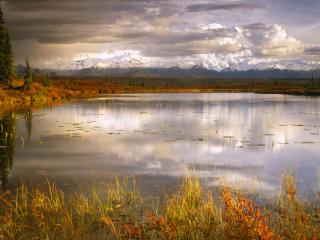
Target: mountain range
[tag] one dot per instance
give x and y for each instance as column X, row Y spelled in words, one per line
column 177, row 72
column 240, row 61
column 132, row 64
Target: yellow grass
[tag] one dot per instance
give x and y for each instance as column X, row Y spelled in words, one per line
column 67, row 88
column 193, row 212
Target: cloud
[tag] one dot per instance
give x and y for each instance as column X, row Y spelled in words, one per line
column 48, row 29
column 271, row 40
column 228, row 6
column 259, row 39
column 263, row 40
column 313, row 51
column 74, row 20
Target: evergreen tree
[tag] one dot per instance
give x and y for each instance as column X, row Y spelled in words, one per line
column 27, row 76
column 47, row 81
column 2, row 44
column 9, row 69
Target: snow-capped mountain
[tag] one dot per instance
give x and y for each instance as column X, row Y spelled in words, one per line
column 242, row 61
column 282, row 64
column 253, row 47
column 116, row 59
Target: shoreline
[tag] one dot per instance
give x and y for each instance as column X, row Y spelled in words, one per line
column 65, row 91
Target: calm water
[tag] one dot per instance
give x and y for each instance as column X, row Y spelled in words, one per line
column 246, row 139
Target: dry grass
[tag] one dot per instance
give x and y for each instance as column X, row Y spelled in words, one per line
column 193, row 212
column 41, row 94
column 67, row 88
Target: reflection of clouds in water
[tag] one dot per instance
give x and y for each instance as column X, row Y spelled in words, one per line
column 243, row 182
column 161, row 135
column 212, row 149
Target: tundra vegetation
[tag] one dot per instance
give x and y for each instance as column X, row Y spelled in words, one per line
column 192, row 212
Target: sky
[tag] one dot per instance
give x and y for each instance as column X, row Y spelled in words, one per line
column 215, row 34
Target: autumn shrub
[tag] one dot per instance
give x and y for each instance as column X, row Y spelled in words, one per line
column 242, row 219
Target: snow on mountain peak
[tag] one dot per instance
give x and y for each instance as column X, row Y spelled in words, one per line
column 241, row 60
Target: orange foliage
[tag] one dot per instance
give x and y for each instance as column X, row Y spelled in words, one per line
column 161, row 225
column 132, row 232
column 243, row 219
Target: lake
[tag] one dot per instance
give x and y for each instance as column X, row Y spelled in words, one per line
column 240, row 138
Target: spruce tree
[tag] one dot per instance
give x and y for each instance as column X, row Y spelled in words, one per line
column 2, row 44
column 27, row 76
column 9, row 69
column 47, row 81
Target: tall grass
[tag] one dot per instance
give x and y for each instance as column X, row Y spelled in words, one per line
column 192, row 212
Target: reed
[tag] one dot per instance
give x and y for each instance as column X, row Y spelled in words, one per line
column 120, row 212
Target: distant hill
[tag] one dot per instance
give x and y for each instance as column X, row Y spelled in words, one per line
column 20, row 69
column 196, row 72
column 177, row 72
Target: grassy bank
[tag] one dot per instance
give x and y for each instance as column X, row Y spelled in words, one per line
column 66, row 89
column 69, row 88
column 193, row 212
column 39, row 93
column 191, row 85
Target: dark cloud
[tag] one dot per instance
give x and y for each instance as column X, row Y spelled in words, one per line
column 313, row 51
column 294, row 13
column 48, row 29
column 75, row 5
column 228, row 6
column 185, row 49
column 167, row 37
column 75, row 20
column 256, row 27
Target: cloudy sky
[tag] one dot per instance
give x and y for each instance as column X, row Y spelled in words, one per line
column 55, row 33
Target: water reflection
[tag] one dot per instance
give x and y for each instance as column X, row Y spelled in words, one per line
column 7, row 146
column 8, row 138
column 159, row 137
column 28, row 122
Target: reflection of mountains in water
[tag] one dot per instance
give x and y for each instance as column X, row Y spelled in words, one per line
column 7, row 143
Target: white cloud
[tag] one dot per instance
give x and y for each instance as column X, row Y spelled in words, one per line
column 163, row 29
column 271, row 40
column 212, row 46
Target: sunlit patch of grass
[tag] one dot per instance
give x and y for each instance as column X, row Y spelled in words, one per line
column 39, row 93
column 120, row 212
column 295, row 219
